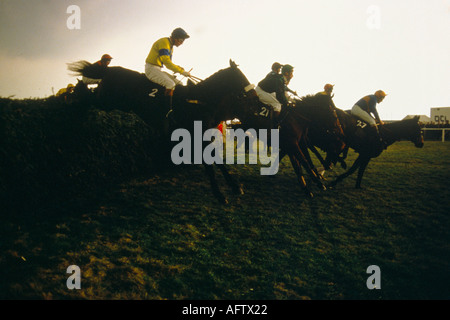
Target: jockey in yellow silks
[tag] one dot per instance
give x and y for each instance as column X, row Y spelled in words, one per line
column 160, row 56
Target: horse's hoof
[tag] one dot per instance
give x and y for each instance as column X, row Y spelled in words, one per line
column 222, row 199
column 309, row 194
column 238, row 191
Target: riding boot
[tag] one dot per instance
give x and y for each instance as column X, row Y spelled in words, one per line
column 168, row 97
column 168, row 119
column 276, row 120
column 379, row 137
column 279, row 118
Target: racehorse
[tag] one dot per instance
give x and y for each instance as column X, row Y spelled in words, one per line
column 225, row 95
column 368, row 146
column 310, row 119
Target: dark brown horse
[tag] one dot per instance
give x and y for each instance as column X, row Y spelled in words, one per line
column 368, row 146
column 227, row 94
column 311, row 119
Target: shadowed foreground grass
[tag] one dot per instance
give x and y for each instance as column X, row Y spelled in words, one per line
column 165, row 236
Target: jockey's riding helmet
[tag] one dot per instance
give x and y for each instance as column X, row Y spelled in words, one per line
column 106, row 57
column 287, row 68
column 179, row 33
column 276, row 66
column 380, row 94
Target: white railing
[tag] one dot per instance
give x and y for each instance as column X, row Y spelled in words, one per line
column 442, row 129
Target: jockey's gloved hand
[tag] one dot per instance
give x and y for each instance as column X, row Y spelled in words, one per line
column 186, row 73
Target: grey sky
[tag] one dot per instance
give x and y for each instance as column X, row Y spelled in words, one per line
column 327, row 41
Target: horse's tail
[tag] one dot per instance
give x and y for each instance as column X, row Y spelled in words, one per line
column 86, row 69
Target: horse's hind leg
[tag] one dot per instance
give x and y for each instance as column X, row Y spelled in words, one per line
column 214, row 186
column 235, row 186
column 298, row 171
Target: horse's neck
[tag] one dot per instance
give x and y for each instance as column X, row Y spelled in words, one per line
column 393, row 132
column 212, row 88
column 308, row 113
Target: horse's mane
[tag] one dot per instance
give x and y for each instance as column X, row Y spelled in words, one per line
column 312, row 100
column 310, row 104
column 218, row 84
column 401, row 128
column 403, row 123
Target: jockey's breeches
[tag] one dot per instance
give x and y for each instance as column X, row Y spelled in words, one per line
column 155, row 74
column 363, row 115
column 87, row 80
column 268, row 98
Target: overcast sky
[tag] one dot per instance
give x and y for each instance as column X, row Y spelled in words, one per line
column 399, row 46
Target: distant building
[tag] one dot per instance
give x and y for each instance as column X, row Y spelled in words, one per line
column 440, row 115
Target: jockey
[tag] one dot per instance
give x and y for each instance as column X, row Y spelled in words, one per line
column 367, row 105
column 272, row 89
column 161, row 55
column 276, row 67
column 328, row 89
column 102, row 63
column 65, row 92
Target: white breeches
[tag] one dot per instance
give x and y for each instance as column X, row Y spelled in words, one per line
column 90, row 81
column 268, row 98
column 155, row 74
column 360, row 113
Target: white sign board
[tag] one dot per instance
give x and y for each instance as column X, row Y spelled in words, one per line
column 440, row 115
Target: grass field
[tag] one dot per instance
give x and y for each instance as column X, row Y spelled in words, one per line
column 165, row 237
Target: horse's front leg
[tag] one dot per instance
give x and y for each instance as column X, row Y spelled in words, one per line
column 305, row 158
column 353, row 168
column 232, row 182
column 361, row 171
column 344, row 156
column 214, row 185
column 325, row 162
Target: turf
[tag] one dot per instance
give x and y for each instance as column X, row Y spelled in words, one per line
column 164, row 236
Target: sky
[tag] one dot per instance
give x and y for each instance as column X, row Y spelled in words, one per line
column 360, row 46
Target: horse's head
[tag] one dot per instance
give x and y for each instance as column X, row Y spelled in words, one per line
column 416, row 134
column 408, row 129
column 229, row 91
column 81, row 92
